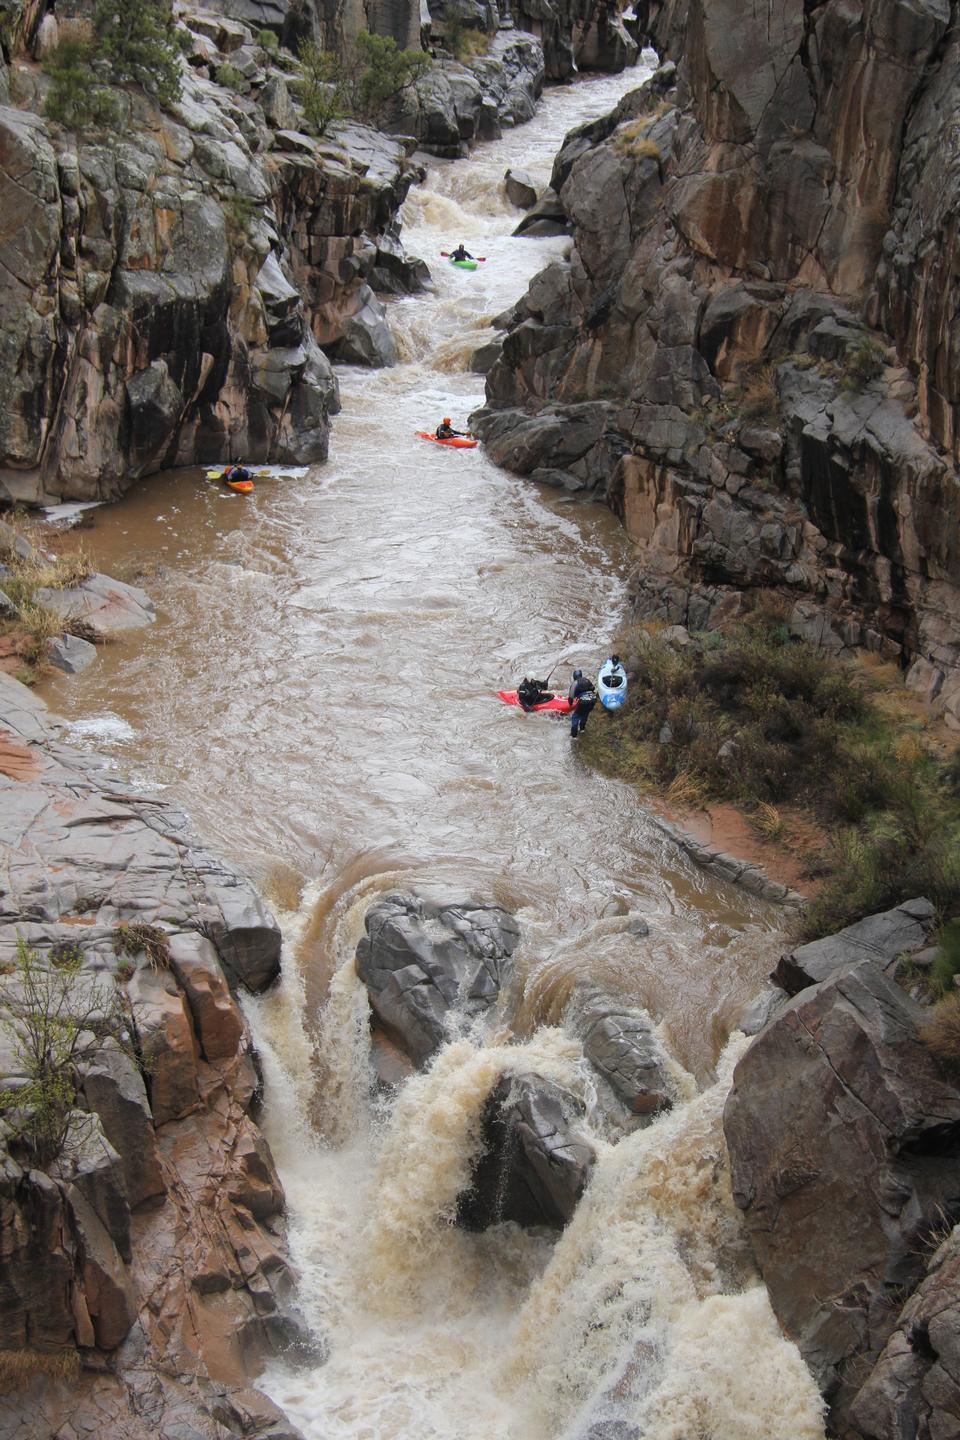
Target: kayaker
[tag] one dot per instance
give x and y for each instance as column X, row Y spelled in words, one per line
column 445, row 430
column 582, row 696
column 532, row 692
column 235, row 472
column 460, row 254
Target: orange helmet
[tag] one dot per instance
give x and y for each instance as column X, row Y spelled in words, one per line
column 446, row 419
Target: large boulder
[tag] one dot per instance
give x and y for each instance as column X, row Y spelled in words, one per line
column 882, row 938
column 620, row 1042
column 431, row 969
column 844, row 1141
column 534, row 1165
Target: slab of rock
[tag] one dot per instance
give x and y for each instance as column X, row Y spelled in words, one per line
column 431, row 969
column 366, row 336
column 107, row 607
column 882, row 938
column 113, row 1087
column 844, row 1143
column 69, row 653
column 534, row 1166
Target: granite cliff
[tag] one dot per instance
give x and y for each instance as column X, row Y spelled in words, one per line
column 750, row 352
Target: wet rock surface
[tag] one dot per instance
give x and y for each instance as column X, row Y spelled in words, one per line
column 431, row 969
column 621, row 1044
column 844, row 1142
column 534, row 1165
column 153, row 1248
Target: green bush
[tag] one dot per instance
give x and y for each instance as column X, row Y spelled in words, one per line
column 230, row 77
column 947, row 963
column 863, row 361
column 136, row 43
column 267, row 40
column 321, row 87
column 57, row 1020
column 77, row 99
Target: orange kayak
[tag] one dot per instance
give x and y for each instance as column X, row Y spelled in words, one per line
column 559, row 703
column 456, row 442
column 244, row 486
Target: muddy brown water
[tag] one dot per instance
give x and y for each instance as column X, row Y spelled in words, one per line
column 319, row 694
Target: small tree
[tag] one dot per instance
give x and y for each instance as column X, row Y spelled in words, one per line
column 138, row 39
column 59, row 1021
column 77, row 99
column 380, row 73
column 322, row 87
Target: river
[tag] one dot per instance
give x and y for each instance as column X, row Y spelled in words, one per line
column 319, row 695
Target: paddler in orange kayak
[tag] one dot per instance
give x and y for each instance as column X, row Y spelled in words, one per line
column 445, row 431
column 234, row 473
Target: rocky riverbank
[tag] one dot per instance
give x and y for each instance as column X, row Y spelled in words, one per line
column 745, row 353
column 144, row 1275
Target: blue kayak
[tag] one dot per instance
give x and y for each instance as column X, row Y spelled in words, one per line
column 612, row 684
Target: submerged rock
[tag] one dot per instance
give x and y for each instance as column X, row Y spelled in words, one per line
column 844, row 1142
column 534, row 1165
column 431, row 969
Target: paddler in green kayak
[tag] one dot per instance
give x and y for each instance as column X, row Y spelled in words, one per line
column 445, row 430
column 460, row 253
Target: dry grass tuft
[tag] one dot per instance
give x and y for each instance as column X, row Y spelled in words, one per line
column 940, row 1032
column 633, row 140
column 761, row 398
column 768, row 822
column 687, row 791
column 18, row 1367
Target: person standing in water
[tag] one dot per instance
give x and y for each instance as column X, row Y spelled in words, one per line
column 582, row 696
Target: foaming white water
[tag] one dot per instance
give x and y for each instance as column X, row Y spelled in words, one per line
column 643, row 1311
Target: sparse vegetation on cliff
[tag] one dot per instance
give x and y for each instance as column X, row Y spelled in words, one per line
column 759, row 719
column 361, row 82
column 58, row 1020
column 133, row 44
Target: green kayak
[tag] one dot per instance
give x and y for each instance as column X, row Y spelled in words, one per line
column 464, row 264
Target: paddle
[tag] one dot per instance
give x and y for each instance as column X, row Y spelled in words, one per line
column 481, row 258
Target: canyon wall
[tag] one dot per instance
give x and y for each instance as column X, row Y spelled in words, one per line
column 143, row 1276
column 750, row 352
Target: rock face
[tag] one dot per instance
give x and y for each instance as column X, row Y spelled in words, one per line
column 430, row 970
column 534, row 1165
column 153, row 1248
column 756, row 312
column 913, row 1390
column 844, row 1139
column 174, row 290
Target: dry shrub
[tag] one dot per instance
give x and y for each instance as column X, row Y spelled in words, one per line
column 134, row 938
column 761, row 398
column 633, row 140
column 18, row 1367
column 687, row 791
column 767, row 821
column 940, row 1031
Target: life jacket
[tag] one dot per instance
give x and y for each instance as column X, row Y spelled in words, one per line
column 584, row 694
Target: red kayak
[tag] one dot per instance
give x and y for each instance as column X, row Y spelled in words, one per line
column 559, row 703
column 457, row 442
